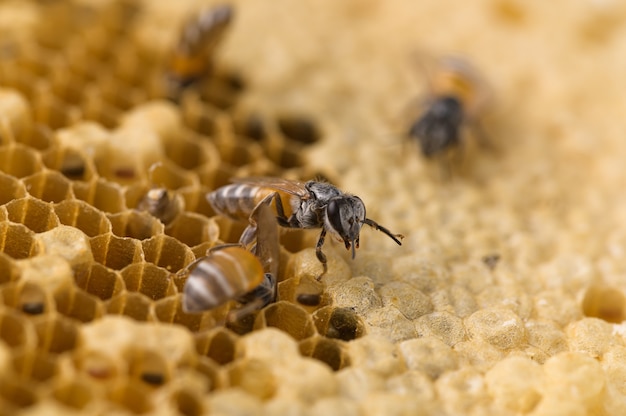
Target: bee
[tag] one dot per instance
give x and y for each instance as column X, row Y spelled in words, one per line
column 311, row 204
column 243, row 272
column 456, row 98
column 200, row 36
column 162, row 204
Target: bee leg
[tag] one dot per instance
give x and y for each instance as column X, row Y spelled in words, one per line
column 321, row 256
column 249, row 234
column 282, row 219
column 374, row 224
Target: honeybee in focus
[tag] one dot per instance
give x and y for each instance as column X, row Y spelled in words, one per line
column 162, row 204
column 243, row 272
column 193, row 55
column 311, row 204
column 457, row 96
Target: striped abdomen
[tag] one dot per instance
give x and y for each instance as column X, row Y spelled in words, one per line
column 238, row 200
column 225, row 274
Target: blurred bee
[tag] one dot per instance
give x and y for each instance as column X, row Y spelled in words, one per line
column 162, row 204
column 199, row 39
column 243, row 272
column 456, row 98
column 299, row 205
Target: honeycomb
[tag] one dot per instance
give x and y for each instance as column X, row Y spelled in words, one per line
column 507, row 296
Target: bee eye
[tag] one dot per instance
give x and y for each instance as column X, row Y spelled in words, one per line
column 332, row 209
column 333, row 212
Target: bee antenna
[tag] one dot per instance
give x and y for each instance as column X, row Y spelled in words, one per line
column 374, row 224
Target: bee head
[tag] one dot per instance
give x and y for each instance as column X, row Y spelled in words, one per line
column 344, row 217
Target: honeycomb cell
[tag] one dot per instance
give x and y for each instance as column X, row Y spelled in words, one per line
column 104, row 195
column 41, row 138
column 239, row 152
column 591, row 336
column 298, row 128
column 49, row 186
column 119, row 95
column 131, row 396
column 285, row 154
column 99, row 281
column 193, row 229
column 200, row 117
column 8, row 271
column 96, row 109
column 604, row 302
column 500, row 327
column 326, row 350
column 17, row 241
column 191, row 151
column 287, row 317
column 168, row 253
column 377, row 354
column 187, row 403
column 85, row 217
column 71, row 163
column 357, row 293
column 250, row 125
column 253, row 376
column 15, row 330
column 75, row 394
column 51, row 111
column 339, row 323
column 87, row 138
column 410, row 301
column 213, row 177
column 35, row 365
column 78, row 304
column 56, row 333
column 66, row 86
column 306, row 291
column 218, row 344
column 132, row 304
column 447, row 327
column 212, row 372
column 230, row 231
column 96, row 365
column 170, row 310
column 153, row 281
column 116, row 252
column 10, row 188
column 19, row 161
column 167, row 175
column 35, row 214
column 146, row 366
column 67, row 243
column 429, row 355
column 196, row 201
column 26, row 297
column 17, row 392
column 17, row 120
column 513, row 383
column 135, row 224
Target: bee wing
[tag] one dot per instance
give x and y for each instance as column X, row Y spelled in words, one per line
column 278, row 184
column 267, row 245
